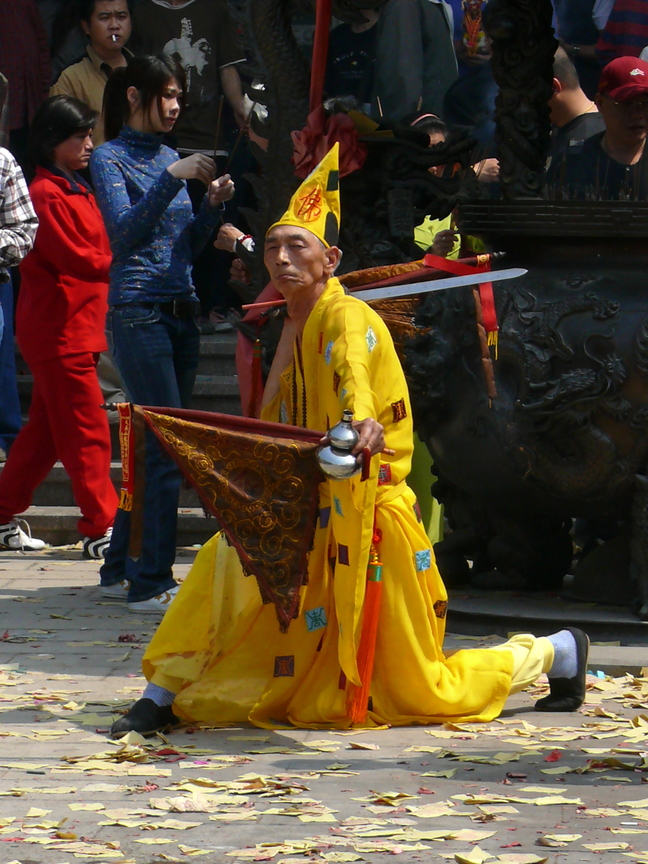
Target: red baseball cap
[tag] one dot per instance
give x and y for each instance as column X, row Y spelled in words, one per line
column 625, row 79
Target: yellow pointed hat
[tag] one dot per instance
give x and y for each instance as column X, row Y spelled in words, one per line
column 315, row 206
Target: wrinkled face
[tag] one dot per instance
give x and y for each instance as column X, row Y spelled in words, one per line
column 109, row 26
column 296, row 260
column 626, row 123
column 73, row 154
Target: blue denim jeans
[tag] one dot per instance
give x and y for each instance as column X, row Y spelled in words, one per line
column 10, row 419
column 157, row 356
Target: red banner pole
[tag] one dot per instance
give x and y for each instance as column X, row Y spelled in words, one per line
column 320, row 52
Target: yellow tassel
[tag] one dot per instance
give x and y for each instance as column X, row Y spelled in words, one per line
column 493, row 341
column 125, row 501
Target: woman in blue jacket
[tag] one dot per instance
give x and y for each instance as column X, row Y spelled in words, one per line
column 141, row 189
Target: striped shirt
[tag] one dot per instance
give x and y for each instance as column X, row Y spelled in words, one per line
column 626, row 31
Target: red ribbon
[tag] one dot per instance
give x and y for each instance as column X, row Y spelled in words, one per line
column 485, row 289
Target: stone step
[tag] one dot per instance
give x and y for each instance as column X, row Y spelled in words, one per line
column 211, row 393
column 607, row 657
column 477, row 612
column 218, row 393
column 56, row 489
column 54, row 514
column 218, row 354
column 58, row 525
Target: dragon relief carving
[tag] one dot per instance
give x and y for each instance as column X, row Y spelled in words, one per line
column 523, row 47
column 566, row 435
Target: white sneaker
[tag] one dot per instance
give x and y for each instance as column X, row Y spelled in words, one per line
column 13, row 537
column 158, row 604
column 117, row 591
column 95, row 550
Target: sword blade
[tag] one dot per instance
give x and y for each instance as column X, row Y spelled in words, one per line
column 391, row 291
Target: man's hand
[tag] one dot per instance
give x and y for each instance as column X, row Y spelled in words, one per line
column 239, row 272
column 444, row 242
column 194, row 167
column 372, row 436
column 228, row 234
column 221, row 189
column 487, row 170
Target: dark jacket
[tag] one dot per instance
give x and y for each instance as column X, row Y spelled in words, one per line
column 415, row 58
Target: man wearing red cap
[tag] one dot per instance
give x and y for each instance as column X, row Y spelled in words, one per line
column 611, row 165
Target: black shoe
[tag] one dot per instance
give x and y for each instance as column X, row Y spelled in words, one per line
column 568, row 694
column 144, row 717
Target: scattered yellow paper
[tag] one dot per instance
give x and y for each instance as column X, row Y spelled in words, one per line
column 606, row 847
column 154, row 841
column 36, row 813
column 475, row 856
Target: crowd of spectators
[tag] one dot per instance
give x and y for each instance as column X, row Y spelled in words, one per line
column 425, row 63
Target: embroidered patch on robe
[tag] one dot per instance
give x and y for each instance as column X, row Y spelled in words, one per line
column 283, row 413
column 384, row 474
column 372, row 341
column 338, row 505
column 417, row 512
column 336, row 383
column 284, row 666
column 440, row 608
column 328, row 352
column 343, row 393
column 398, row 410
column 423, row 560
column 325, row 515
column 343, row 554
column 315, row 619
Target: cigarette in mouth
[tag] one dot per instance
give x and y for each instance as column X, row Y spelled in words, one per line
column 114, row 37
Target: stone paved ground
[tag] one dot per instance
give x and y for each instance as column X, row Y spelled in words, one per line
column 70, row 661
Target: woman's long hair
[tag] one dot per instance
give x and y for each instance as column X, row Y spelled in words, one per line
column 57, row 119
column 150, row 75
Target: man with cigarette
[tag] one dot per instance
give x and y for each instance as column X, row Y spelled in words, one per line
column 107, row 23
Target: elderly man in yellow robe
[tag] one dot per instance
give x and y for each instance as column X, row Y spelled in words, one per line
column 219, row 655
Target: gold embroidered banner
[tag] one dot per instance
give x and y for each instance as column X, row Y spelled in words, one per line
column 261, row 481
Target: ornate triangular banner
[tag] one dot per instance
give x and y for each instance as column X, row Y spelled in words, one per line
column 260, row 480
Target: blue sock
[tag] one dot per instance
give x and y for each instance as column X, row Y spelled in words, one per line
column 160, row 695
column 565, row 664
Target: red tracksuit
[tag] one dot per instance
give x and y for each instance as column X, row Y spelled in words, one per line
column 60, row 328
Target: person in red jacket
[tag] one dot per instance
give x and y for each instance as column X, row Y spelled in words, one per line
column 60, row 328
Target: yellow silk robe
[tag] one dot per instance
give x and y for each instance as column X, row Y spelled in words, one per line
column 222, row 649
